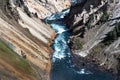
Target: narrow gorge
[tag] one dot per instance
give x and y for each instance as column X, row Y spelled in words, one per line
column 59, row 40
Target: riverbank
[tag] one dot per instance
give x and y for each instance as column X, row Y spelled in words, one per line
column 63, row 68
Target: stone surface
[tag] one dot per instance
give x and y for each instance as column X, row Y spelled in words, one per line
column 26, row 34
column 89, row 31
column 46, row 8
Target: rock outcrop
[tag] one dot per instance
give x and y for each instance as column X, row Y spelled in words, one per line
column 95, row 32
column 44, row 8
column 23, row 31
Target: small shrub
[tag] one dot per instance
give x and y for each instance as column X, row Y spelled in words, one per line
column 112, row 35
column 79, row 44
column 104, row 17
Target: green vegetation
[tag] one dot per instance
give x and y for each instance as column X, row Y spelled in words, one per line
column 79, row 44
column 104, row 17
column 14, row 60
column 98, row 48
column 112, row 35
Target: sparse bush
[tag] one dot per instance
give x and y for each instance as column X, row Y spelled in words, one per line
column 104, row 17
column 79, row 44
column 97, row 49
column 112, row 35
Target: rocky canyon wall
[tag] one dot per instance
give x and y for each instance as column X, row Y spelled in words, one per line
column 44, row 8
column 23, row 30
column 95, row 27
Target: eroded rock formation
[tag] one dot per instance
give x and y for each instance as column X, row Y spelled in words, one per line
column 22, row 29
column 94, row 25
column 44, row 8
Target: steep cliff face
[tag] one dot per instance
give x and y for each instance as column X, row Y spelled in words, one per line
column 44, row 8
column 95, row 32
column 28, row 36
column 23, row 31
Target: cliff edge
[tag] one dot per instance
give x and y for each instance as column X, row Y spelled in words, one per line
column 25, row 39
column 95, row 27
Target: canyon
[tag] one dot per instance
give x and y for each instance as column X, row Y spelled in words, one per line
column 29, row 45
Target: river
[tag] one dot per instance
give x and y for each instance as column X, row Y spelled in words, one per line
column 62, row 66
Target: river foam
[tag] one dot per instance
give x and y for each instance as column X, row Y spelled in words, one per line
column 62, row 66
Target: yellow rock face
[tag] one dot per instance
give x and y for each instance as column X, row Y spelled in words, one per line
column 29, row 37
column 45, row 9
column 38, row 52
